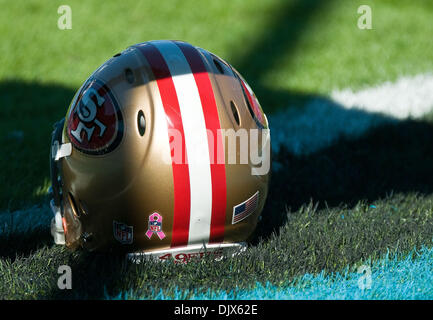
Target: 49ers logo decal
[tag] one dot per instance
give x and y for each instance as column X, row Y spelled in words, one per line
column 95, row 124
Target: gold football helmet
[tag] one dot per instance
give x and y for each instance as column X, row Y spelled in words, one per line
column 164, row 152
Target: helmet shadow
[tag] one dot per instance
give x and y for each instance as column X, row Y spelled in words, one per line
column 392, row 157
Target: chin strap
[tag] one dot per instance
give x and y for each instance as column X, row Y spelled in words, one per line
column 58, row 151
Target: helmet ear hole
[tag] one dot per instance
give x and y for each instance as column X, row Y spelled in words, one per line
column 141, row 123
column 73, row 204
column 235, row 112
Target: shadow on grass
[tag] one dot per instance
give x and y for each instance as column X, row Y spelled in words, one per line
column 93, row 276
column 392, row 158
column 17, row 245
column 27, row 114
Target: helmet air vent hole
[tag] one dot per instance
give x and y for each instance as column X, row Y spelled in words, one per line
column 235, row 112
column 218, row 66
column 141, row 123
column 129, row 75
column 116, row 55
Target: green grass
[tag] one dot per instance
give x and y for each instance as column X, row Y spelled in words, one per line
column 319, row 214
column 332, row 53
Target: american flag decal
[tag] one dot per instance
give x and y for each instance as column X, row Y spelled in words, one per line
column 244, row 209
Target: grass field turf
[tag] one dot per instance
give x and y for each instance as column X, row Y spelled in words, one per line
column 393, row 277
column 290, row 52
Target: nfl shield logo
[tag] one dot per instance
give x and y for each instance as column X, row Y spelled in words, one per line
column 123, row 233
column 155, row 226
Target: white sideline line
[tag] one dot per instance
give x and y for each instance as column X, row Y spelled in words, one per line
column 407, row 97
column 309, row 128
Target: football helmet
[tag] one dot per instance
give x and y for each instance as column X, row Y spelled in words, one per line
column 164, row 152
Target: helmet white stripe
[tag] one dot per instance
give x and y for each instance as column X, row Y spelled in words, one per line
column 196, row 142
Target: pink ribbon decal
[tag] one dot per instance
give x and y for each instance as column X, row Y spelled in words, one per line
column 155, row 226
